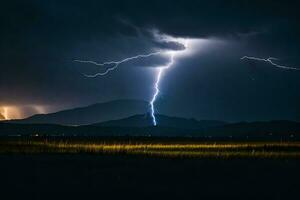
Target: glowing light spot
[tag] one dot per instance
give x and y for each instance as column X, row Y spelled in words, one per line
column 10, row 112
column 6, row 112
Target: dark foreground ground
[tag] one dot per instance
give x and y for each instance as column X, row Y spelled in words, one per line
column 135, row 177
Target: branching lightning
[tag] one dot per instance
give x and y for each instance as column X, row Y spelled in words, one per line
column 171, row 54
column 114, row 64
column 270, row 60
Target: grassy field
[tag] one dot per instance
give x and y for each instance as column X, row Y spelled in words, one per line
column 148, row 168
column 165, row 147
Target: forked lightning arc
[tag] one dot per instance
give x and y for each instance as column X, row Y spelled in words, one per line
column 171, row 54
column 113, row 65
column 271, row 61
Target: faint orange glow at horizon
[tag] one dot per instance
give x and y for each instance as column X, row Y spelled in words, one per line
column 17, row 112
column 5, row 113
column 10, row 112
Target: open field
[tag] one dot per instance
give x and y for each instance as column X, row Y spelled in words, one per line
column 147, row 168
column 165, row 147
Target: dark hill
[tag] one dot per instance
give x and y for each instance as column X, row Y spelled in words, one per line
column 163, row 121
column 91, row 114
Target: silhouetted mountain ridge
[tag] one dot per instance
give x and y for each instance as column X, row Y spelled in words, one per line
column 162, row 121
column 99, row 112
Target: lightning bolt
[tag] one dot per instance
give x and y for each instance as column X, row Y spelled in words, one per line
column 161, row 71
column 156, row 85
column 270, row 60
column 114, row 64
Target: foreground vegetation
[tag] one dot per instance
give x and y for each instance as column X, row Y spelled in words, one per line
column 191, row 148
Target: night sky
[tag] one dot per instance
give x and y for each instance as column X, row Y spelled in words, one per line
column 39, row 41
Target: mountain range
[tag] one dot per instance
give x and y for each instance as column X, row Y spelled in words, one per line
column 95, row 113
column 131, row 117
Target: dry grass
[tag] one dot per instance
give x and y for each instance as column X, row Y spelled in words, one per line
column 176, row 149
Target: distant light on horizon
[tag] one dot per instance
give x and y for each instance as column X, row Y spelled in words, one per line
column 10, row 112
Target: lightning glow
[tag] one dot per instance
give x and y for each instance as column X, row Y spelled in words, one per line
column 5, row 113
column 270, row 60
column 9, row 112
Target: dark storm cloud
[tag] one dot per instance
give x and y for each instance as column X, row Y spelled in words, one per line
column 40, row 39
